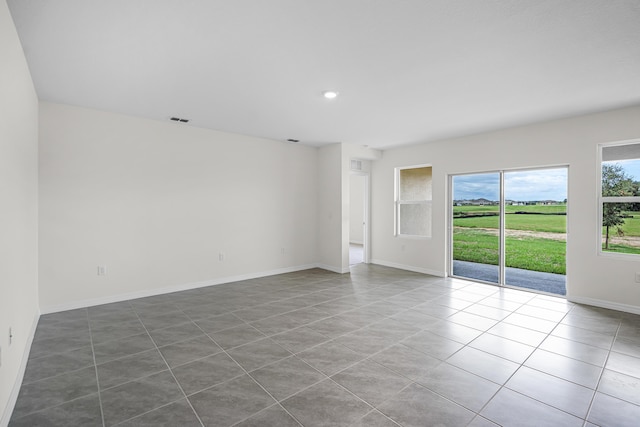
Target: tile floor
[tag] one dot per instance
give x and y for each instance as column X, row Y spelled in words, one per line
column 381, row 347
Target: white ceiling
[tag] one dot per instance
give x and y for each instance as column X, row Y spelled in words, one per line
column 407, row 71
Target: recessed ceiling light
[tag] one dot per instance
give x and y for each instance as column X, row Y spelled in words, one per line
column 330, row 94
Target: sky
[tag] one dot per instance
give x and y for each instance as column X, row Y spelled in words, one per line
column 631, row 167
column 543, row 184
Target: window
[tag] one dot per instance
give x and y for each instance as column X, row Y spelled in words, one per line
column 413, row 201
column 619, row 198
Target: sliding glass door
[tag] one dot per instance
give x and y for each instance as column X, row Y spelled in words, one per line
column 509, row 228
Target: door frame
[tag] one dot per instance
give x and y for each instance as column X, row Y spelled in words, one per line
column 502, row 253
column 366, row 215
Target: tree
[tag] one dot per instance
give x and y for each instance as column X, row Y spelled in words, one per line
column 615, row 183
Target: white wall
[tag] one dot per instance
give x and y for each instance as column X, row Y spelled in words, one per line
column 18, row 210
column 157, row 202
column 330, row 205
column 356, row 208
column 590, row 278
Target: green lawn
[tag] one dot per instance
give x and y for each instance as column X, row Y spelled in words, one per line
column 551, row 209
column 529, row 253
column 549, row 223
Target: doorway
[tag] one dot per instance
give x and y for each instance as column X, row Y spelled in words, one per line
column 358, row 212
column 509, row 228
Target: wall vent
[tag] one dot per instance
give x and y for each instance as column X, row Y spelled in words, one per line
column 178, row 119
column 356, row 165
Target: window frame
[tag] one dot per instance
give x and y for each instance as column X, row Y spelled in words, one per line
column 398, row 203
column 612, row 199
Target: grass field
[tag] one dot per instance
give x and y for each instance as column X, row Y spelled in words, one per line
column 535, row 254
column 473, row 243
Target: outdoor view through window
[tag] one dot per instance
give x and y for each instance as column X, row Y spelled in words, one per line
column 620, row 199
column 535, row 209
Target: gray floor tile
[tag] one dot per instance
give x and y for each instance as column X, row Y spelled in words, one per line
column 115, row 330
column 434, row 345
column 575, row 350
column 275, row 324
column 563, row 367
column 408, row 323
column 234, row 337
column 218, row 323
column 129, row 368
column 631, row 348
column 502, row 410
column 530, row 322
column 164, row 320
column 138, row 397
column 371, row 381
column 187, row 351
column 330, row 357
column 418, row 406
column 518, row 334
column 453, row 331
column 204, row 373
column 608, row 411
column 47, row 347
column 56, row 390
column 84, row 411
column 333, row 327
column 111, row 350
column 175, row 414
column 286, row 377
column 326, row 404
column 502, row 347
column 623, row 363
column 462, row 387
column 56, row 364
column 483, row 364
column 181, row 332
column 585, row 336
column 230, row 402
column 258, row 354
column 299, row 339
column 374, row 419
column 407, row 361
column 621, row 386
column 553, row 391
column 272, row 416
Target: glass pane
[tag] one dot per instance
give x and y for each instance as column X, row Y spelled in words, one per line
column 621, row 228
column 415, row 220
column 415, row 184
column 476, row 226
column 620, row 170
column 535, row 229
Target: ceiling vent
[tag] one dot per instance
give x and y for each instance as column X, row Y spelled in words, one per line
column 356, row 165
column 293, row 141
column 178, row 119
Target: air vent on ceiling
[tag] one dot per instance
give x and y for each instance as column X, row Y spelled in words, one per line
column 356, row 165
column 178, row 119
column 293, row 141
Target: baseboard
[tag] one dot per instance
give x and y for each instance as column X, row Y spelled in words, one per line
column 334, row 269
column 634, row 309
column 409, row 268
column 175, row 288
column 13, row 397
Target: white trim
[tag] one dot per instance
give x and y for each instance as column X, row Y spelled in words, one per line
column 173, row 288
column 356, row 242
column 334, row 269
column 409, row 268
column 634, row 309
column 13, row 397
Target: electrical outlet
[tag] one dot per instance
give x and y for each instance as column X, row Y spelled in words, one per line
column 220, row 256
column 637, row 277
column 10, row 335
column 102, row 270
column 283, row 251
